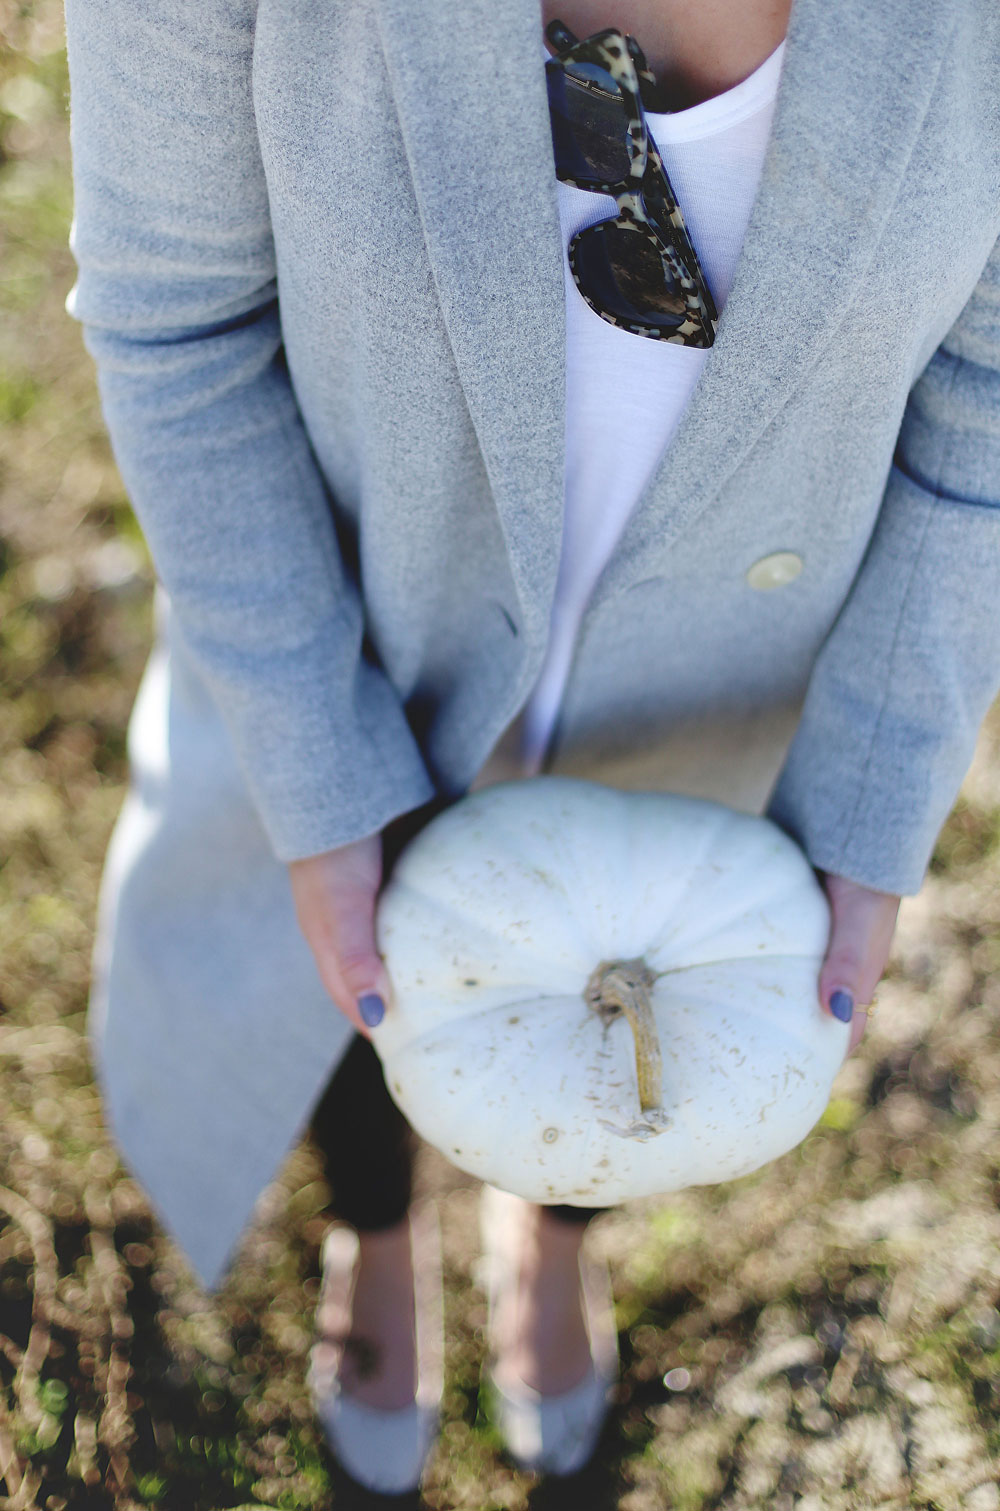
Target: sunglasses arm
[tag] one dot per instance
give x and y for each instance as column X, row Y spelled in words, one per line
column 560, row 36
column 562, row 39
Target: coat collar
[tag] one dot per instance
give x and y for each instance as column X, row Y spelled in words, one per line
column 470, row 91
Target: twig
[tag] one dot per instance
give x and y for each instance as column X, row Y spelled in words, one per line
column 39, row 1234
column 115, row 1428
column 11, row 1467
column 85, row 1443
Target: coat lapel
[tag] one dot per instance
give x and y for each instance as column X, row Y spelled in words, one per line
column 856, row 83
column 470, row 89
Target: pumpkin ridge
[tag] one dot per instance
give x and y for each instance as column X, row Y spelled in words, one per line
column 786, row 894
column 706, row 965
column 397, row 917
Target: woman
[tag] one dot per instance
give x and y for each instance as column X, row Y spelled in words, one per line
column 323, row 272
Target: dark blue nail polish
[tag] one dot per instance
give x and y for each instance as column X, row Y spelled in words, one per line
column 842, row 1006
column 372, row 1008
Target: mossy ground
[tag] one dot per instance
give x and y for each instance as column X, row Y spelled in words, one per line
column 824, row 1334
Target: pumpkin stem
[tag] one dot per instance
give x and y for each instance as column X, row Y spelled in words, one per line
column 624, row 986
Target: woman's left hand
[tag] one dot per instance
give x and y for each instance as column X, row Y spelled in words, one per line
column 862, row 922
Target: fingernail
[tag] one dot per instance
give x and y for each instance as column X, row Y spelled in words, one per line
column 372, row 1009
column 842, row 1006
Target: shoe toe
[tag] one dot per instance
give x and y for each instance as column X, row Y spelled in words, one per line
column 554, row 1434
column 384, row 1450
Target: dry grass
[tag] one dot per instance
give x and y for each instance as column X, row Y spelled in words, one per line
column 824, row 1334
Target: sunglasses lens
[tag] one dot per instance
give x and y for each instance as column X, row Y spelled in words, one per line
column 623, row 271
column 589, row 124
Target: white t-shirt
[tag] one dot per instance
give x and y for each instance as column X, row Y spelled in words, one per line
column 625, row 394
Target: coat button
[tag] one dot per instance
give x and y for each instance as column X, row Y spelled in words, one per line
column 774, row 571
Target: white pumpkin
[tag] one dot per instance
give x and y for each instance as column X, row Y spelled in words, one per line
column 600, row 994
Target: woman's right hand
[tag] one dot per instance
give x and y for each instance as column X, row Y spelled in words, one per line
column 335, row 894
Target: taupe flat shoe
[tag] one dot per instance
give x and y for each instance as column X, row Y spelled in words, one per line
column 554, row 1434
column 384, row 1449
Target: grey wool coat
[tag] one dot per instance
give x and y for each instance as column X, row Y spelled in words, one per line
column 320, row 273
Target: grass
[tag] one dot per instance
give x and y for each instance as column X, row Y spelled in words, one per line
column 823, row 1334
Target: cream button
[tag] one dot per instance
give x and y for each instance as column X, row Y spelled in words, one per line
column 774, row 571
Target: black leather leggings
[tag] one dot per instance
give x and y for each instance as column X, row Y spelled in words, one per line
column 368, row 1146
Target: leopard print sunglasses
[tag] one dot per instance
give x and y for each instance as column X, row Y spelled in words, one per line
column 637, row 270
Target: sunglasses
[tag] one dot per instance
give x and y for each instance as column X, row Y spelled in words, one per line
column 637, row 270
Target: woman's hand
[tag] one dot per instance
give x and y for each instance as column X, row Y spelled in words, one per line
column 861, row 928
column 335, row 895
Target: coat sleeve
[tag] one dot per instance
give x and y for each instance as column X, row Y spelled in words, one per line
column 176, row 291
column 908, row 672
